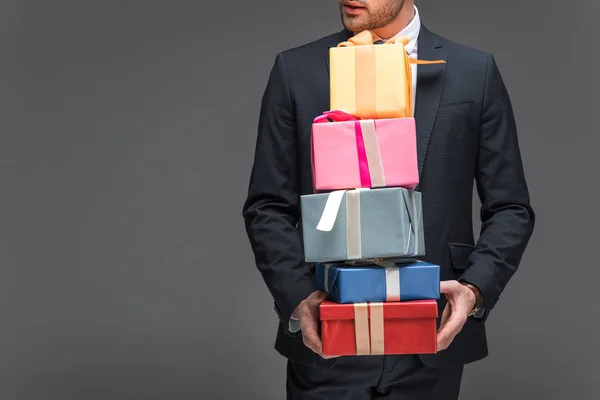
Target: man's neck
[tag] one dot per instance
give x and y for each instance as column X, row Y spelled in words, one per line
column 400, row 22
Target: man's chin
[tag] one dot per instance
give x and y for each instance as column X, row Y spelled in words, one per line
column 354, row 25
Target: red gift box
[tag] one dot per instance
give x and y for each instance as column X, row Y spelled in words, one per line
column 379, row 328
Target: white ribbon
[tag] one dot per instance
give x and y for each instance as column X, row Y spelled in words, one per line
column 331, row 210
column 371, row 143
column 330, row 214
column 392, row 275
column 392, row 284
column 353, row 234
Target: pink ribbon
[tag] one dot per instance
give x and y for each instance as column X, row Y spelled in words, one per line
column 363, row 163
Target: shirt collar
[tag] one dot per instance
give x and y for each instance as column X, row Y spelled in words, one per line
column 411, row 31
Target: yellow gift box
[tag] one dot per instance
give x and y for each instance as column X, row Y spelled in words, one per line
column 372, row 81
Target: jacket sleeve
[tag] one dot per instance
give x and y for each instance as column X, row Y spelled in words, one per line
column 272, row 208
column 507, row 218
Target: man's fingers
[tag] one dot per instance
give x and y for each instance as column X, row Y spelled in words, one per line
column 309, row 322
column 450, row 330
column 310, row 333
column 322, row 295
column 317, row 298
column 312, row 347
column 312, row 341
column 453, row 325
column 453, row 317
column 445, row 315
column 447, row 286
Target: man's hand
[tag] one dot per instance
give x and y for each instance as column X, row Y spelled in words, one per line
column 308, row 313
column 461, row 301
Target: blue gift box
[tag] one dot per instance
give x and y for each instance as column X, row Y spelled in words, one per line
column 399, row 281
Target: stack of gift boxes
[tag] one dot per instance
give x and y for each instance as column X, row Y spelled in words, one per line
column 363, row 226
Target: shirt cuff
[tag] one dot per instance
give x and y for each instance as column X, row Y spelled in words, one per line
column 294, row 325
column 480, row 313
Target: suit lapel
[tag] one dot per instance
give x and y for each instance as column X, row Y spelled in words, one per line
column 430, row 82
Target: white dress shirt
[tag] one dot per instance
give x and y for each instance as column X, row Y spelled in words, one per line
column 411, row 31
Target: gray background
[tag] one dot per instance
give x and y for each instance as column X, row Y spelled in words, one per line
column 127, row 134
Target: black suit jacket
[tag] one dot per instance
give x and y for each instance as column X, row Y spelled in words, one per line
column 465, row 133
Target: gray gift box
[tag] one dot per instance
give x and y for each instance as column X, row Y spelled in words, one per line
column 362, row 224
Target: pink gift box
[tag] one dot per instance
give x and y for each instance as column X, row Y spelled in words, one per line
column 349, row 153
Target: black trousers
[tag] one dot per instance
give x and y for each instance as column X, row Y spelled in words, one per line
column 373, row 377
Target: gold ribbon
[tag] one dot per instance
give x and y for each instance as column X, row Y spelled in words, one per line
column 366, row 37
column 366, row 69
column 361, row 329
column 369, row 329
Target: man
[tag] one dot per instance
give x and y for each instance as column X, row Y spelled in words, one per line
column 465, row 133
